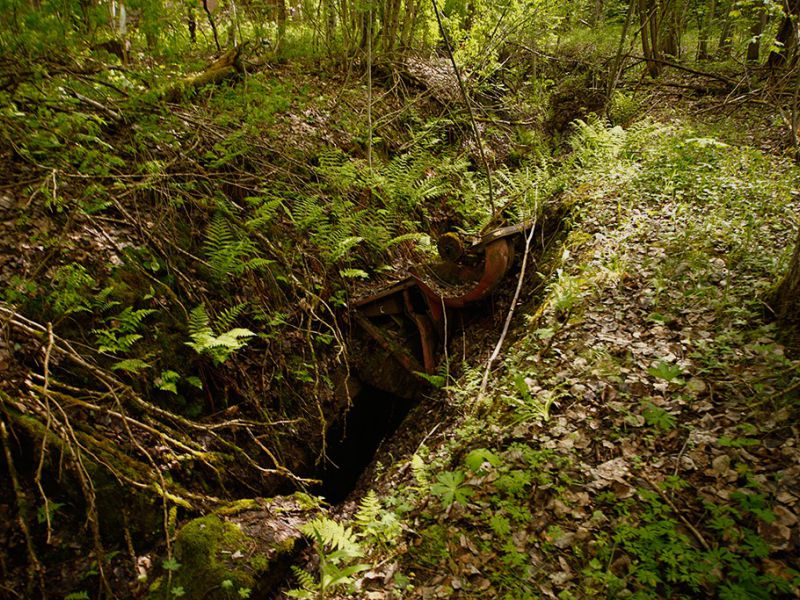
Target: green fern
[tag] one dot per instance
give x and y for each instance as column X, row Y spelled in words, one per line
column 131, row 365
column 338, row 548
column 71, row 289
column 227, row 317
column 228, row 251
column 307, row 583
column 375, row 523
column 205, row 341
column 121, row 334
column 333, row 536
column 368, row 510
column 266, row 209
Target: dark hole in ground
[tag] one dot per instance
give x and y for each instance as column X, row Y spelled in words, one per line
column 374, row 415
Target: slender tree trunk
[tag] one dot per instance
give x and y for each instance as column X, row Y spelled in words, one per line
column 670, row 20
column 649, row 27
column 616, row 68
column 787, row 297
column 726, row 33
column 597, row 12
column 756, row 31
column 213, row 24
column 409, row 23
column 191, row 21
column 281, row 19
column 705, row 31
column 390, row 26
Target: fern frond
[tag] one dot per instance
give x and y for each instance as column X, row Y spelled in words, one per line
column 204, row 341
column 228, row 316
column 199, row 322
column 368, row 510
column 333, row 535
column 304, row 578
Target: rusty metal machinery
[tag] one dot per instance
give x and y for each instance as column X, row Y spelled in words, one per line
column 468, row 273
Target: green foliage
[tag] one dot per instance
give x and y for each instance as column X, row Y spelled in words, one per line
column 450, row 488
column 338, row 548
column 666, row 371
column 656, row 416
column 374, row 523
column 479, row 457
column 666, row 562
column 122, row 332
column 171, row 564
column 593, row 142
column 44, row 515
column 229, row 252
column 71, row 289
column 205, row 341
column 131, row 365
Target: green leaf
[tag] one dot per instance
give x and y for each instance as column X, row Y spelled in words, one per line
column 658, row 417
column 478, row 457
column 194, row 381
column 437, row 381
column 131, row 365
column 500, row 525
column 168, row 381
column 666, row 371
column 449, row 488
column 171, row 564
column 354, row 274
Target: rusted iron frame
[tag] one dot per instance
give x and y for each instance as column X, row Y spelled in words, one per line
column 498, row 255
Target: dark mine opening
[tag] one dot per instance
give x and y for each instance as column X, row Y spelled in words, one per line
column 352, row 442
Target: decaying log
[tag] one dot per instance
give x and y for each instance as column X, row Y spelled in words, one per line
column 227, row 66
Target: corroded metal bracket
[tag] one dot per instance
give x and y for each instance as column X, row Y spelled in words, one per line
column 467, row 275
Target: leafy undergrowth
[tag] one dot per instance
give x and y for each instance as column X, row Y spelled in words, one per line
column 639, row 438
column 175, row 278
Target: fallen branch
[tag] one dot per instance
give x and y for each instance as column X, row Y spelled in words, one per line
column 226, row 66
column 680, row 67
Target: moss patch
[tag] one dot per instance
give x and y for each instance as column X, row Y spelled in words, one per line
column 209, row 551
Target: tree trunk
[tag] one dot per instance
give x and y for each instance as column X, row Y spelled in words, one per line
column 705, row 31
column 671, row 19
column 648, row 19
column 597, row 12
column 786, row 39
column 787, row 297
column 726, row 33
column 409, row 24
column 756, row 31
column 281, row 19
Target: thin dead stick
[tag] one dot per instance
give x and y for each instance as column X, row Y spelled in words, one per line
column 48, row 426
column 509, row 316
column 674, row 508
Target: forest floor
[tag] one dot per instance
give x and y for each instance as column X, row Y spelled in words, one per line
column 640, row 435
column 636, row 437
